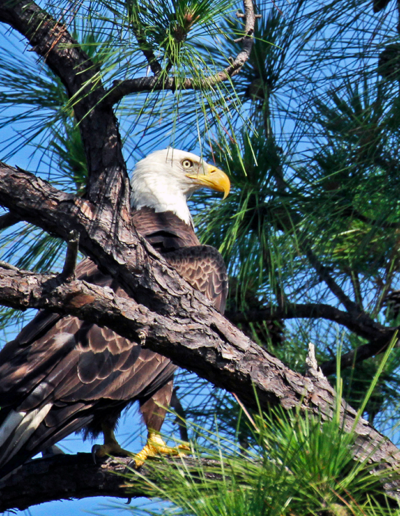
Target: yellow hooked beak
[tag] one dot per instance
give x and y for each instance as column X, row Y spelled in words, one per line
column 212, row 178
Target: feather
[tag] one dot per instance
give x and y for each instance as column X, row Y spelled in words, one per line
column 24, row 430
column 10, row 424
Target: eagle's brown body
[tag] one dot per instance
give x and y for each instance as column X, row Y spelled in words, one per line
column 62, row 375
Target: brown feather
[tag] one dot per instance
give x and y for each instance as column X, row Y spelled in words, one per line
column 204, row 269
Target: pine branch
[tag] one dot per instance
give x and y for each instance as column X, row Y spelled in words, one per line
column 162, row 82
column 362, row 325
column 333, row 286
column 360, row 354
column 143, row 43
column 7, row 220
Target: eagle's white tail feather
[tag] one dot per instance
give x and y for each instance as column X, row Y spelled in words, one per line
column 11, row 422
column 24, row 430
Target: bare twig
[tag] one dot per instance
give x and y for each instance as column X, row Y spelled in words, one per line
column 312, row 368
column 5, row 265
column 181, row 416
column 245, row 410
column 355, row 281
column 72, row 254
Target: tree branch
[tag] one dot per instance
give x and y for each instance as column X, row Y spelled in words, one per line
column 362, row 325
column 63, row 477
column 360, row 354
column 325, row 276
column 142, row 41
column 68, row 271
column 7, row 220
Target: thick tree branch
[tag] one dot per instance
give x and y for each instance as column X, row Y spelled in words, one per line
column 198, row 334
column 201, row 340
column 59, row 213
column 63, row 477
column 161, row 82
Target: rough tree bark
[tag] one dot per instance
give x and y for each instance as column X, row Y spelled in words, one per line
column 164, row 314
column 63, row 477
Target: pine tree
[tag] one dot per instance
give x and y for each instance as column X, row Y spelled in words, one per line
column 308, row 131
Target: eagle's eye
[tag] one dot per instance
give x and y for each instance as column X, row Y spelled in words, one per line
column 186, row 163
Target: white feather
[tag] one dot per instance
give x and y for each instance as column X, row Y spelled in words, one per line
column 159, row 182
column 11, row 422
column 25, row 429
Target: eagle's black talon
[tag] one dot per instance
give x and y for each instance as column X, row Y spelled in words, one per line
column 95, row 449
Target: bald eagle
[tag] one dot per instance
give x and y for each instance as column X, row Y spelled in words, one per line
column 62, row 375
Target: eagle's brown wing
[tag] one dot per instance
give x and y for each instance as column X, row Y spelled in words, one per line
column 62, row 374
column 201, row 266
column 204, row 269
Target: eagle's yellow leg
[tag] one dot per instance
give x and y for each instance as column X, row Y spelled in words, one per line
column 110, row 446
column 156, row 446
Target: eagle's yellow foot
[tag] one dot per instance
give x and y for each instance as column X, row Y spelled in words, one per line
column 110, row 446
column 156, row 446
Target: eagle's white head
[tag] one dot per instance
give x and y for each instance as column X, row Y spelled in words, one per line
column 165, row 179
